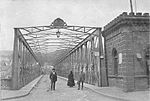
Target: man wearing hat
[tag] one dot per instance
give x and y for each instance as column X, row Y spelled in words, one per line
column 53, row 78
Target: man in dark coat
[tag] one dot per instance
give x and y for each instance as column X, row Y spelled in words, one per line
column 53, row 77
column 81, row 80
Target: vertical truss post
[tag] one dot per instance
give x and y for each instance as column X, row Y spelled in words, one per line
column 92, row 60
column 100, row 64
column 72, row 61
column 75, row 62
column 20, row 63
column 86, row 61
column 100, row 55
column 23, row 64
column 80, row 57
column 78, row 60
column 15, row 68
column 84, row 55
column 81, row 51
column 105, row 60
column 76, row 70
column 89, row 60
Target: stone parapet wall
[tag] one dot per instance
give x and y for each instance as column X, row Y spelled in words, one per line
column 5, row 84
column 121, row 19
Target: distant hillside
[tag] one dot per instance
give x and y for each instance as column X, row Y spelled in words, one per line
column 5, row 64
column 6, row 53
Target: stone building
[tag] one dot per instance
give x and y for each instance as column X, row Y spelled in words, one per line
column 127, row 45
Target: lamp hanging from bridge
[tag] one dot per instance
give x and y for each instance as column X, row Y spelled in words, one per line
column 58, row 33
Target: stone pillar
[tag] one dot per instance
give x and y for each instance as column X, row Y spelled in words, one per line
column 129, row 59
column 148, row 63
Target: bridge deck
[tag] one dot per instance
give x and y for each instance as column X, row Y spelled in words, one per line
column 62, row 93
column 65, row 93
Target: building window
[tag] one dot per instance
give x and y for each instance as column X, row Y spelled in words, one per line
column 147, row 53
column 115, row 61
column 147, row 57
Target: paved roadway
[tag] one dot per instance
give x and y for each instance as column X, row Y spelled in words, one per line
column 62, row 93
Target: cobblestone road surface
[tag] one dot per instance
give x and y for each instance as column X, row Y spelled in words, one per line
column 62, row 93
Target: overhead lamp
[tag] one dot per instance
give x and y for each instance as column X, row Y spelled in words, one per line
column 58, row 33
column 101, row 57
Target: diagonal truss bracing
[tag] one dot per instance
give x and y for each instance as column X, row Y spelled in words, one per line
column 57, row 36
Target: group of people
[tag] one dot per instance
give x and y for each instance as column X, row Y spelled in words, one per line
column 70, row 82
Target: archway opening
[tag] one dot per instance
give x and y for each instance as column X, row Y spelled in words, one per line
column 115, row 61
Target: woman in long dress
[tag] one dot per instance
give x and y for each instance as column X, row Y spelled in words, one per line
column 70, row 82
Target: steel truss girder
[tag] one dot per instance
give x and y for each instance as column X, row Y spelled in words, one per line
column 26, row 44
column 32, row 32
column 49, row 39
column 69, row 35
column 77, row 46
column 21, row 52
column 45, row 41
column 83, row 29
column 42, row 38
column 52, row 45
column 33, row 29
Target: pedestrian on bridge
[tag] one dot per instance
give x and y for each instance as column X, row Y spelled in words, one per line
column 70, row 82
column 53, row 78
column 81, row 80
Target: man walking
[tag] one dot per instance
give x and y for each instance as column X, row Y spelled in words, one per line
column 81, row 80
column 53, row 77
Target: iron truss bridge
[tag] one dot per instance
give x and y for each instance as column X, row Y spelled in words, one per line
column 77, row 44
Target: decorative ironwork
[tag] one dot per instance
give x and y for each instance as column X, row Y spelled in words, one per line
column 58, row 23
column 58, row 34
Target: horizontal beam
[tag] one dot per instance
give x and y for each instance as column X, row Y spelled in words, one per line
column 86, row 29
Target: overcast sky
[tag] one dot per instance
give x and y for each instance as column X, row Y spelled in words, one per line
column 20, row 13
